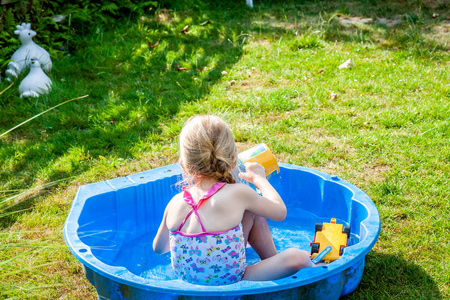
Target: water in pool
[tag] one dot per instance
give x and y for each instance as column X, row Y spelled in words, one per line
column 147, row 264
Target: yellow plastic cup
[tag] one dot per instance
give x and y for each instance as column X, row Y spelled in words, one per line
column 263, row 156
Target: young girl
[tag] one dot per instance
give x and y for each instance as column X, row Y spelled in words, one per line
column 207, row 226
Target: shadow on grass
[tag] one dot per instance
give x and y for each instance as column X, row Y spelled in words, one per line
column 390, row 277
column 135, row 89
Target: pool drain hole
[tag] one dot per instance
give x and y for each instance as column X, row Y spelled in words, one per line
column 294, row 277
column 82, row 250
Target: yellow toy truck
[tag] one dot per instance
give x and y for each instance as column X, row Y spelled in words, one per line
column 330, row 240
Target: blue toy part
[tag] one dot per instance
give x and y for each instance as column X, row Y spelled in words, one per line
column 111, row 226
column 322, row 254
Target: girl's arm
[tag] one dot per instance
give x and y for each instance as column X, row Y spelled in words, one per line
column 270, row 205
column 161, row 241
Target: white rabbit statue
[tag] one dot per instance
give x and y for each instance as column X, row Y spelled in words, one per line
column 36, row 82
column 22, row 57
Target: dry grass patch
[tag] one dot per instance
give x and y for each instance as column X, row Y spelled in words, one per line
column 440, row 34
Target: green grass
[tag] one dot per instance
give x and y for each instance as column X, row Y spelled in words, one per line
column 387, row 131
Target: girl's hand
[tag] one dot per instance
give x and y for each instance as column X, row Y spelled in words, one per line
column 253, row 171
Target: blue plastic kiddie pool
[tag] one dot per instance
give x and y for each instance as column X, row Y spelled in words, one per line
column 111, row 226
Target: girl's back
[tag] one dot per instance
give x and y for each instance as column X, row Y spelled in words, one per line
column 222, row 211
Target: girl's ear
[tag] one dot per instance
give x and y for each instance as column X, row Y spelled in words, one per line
column 236, row 158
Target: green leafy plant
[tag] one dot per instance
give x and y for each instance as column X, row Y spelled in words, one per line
column 304, row 41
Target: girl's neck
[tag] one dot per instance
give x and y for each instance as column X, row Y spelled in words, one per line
column 204, row 183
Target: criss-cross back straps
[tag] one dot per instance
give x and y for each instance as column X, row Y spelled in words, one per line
column 189, row 200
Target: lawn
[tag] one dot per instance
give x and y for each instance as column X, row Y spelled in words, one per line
column 272, row 73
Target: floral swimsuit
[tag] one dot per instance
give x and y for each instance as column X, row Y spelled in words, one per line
column 207, row 258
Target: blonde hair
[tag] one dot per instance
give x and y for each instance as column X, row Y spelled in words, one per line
column 207, row 149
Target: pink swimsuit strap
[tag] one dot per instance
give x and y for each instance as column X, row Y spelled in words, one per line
column 189, row 200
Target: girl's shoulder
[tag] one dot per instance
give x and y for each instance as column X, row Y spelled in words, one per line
column 240, row 190
column 174, row 209
column 240, row 187
column 177, row 198
column 176, row 201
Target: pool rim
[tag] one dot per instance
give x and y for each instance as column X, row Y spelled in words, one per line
column 120, row 274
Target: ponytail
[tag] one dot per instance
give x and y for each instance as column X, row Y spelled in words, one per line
column 207, row 148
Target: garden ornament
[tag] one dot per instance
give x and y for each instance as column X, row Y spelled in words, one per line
column 21, row 59
column 36, row 82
